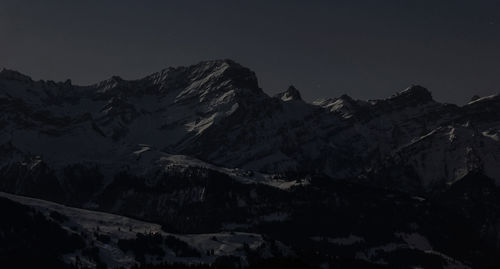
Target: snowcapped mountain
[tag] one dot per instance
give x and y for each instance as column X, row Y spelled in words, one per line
column 203, row 149
column 216, row 112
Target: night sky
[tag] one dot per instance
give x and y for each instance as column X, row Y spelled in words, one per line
column 367, row 49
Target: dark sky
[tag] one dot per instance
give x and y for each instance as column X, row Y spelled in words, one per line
column 367, row 49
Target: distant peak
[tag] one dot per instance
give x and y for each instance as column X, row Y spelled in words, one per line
column 290, row 94
column 14, row 75
column 212, row 65
column 204, row 79
column 226, row 69
column 413, row 94
column 346, row 98
column 415, row 90
column 116, row 78
column 111, row 83
column 112, row 80
column 220, row 62
column 475, row 98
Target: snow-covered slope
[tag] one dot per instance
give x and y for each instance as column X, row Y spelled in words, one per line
column 94, row 226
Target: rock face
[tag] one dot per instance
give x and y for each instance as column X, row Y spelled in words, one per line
column 203, row 146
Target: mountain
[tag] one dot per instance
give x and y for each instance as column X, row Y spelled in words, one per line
column 202, row 149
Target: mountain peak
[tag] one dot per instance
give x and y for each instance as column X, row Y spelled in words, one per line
column 412, row 95
column 213, row 70
column 416, row 91
column 346, row 98
column 210, row 66
column 477, row 99
column 291, row 94
column 227, row 69
column 219, row 62
column 110, row 83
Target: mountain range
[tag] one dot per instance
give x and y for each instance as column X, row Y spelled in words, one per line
column 401, row 182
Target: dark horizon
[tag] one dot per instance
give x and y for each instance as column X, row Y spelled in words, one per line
column 363, row 49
